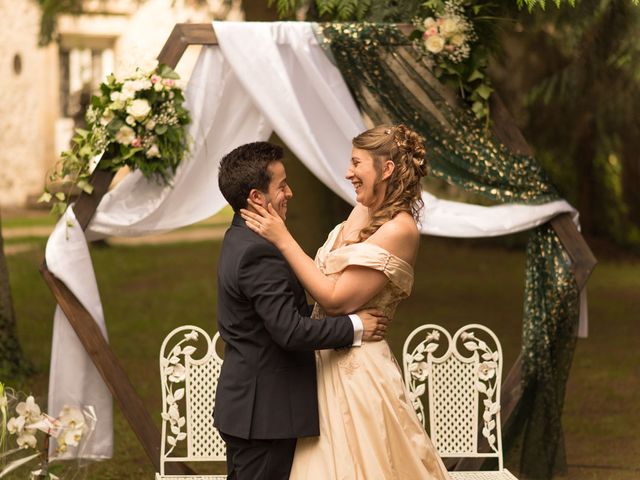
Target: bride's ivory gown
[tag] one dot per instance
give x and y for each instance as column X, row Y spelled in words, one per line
column 368, row 428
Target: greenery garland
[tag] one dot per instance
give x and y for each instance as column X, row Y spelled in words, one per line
column 137, row 120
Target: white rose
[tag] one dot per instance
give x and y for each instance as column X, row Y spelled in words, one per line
column 130, row 120
column 428, row 23
column 158, row 87
column 132, row 86
column 107, row 116
column 150, row 125
column 116, row 97
column 128, row 91
column 149, row 66
column 457, row 40
column 434, row 43
column 125, row 135
column 153, row 151
column 449, row 26
column 124, row 72
column 139, row 109
column 116, row 105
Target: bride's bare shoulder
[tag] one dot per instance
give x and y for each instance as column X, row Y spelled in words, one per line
column 400, row 236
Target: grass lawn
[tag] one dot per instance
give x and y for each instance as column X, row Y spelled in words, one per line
column 149, row 290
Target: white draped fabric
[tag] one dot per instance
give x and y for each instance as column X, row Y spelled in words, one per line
column 263, row 77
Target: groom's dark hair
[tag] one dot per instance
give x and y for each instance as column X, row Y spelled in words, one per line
column 245, row 168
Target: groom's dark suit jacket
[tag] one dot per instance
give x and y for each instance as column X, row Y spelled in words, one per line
column 267, row 387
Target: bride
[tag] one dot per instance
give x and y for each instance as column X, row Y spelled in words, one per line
column 368, row 428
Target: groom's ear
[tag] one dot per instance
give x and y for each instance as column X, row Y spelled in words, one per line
column 257, row 196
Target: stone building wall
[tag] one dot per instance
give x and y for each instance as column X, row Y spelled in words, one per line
column 33, row 128
column 28, row 106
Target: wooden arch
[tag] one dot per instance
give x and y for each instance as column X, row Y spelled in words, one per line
column 131, row 405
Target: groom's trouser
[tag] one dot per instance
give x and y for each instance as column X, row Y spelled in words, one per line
column 258, row 459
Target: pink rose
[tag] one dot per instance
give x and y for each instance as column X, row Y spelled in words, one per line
column 154, row 78
column 167, row 82
column 432, row 31
column 136, row 142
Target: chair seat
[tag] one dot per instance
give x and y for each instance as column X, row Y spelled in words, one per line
column 190, row 477
column 495, row 475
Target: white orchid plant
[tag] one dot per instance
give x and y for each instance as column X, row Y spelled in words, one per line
column 136, row 119
column 69, row 429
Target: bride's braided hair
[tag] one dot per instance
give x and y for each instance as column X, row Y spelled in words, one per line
column 405, row 149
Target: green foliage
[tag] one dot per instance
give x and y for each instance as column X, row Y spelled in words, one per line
column 542, row 4
column 582, row 108
column 51, row 9
column 531, row 4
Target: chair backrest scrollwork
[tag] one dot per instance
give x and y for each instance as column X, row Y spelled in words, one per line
column 189, row 370
column 461, row 378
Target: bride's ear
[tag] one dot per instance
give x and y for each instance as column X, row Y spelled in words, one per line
column 387, row 169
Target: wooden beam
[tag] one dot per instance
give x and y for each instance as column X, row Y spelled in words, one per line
column 582, row 259
column 110, row 369
column 86, row 205
column 183, row 35
column 81, row 320
column 504, row 128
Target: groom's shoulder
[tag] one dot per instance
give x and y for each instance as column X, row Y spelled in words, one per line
column 248, row 245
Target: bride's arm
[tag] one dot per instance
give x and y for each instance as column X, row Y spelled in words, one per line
column 355, row 287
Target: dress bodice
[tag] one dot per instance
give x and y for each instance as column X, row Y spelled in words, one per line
column 400, row 273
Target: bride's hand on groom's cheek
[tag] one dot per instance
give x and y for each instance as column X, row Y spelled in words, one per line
column 264, row 221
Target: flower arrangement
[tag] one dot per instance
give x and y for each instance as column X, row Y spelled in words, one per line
column 137, row 119
column 69, row 428
column 448, row 37
column 449, row 34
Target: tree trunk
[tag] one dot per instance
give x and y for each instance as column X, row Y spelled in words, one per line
column 584, row 158
column 12, row 361
column 631, row 175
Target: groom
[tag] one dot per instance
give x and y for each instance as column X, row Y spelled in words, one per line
column 266, row 395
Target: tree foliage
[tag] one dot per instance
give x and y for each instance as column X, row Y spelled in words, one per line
column 581, row 103
column 51, row 9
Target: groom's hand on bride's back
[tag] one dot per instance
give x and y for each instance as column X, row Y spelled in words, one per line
column 374, row 323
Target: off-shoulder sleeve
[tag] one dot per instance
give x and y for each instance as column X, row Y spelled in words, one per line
column 373, row 256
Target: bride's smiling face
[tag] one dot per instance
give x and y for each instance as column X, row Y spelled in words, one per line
column 365, row 178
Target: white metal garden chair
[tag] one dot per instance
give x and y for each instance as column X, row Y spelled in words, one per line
column 461, row 377
column 189, row 370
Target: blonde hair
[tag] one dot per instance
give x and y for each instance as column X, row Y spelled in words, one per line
column 405, row 149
